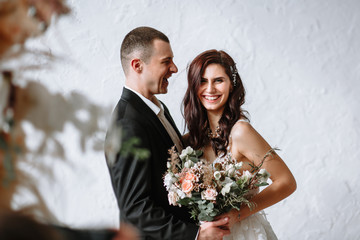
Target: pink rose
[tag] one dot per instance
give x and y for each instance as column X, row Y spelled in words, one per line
column 190, row 176
column 187, row 186
column 209, row 194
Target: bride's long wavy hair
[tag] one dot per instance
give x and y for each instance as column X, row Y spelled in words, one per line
column 194, row 112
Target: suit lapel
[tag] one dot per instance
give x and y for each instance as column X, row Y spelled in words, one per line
column 146, row 112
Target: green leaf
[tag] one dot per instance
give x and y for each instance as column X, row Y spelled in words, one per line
column 202, row 207
column 204, row 217
column 201, row 202
column 195, row 199
column 198, row 153
column 184, row 201
column 210, row 205
column 213, row 214
column 129, row 147
column 141, row 153
column 9, row 168
column 3, row 144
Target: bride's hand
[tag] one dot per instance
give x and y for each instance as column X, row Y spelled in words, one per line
column 233, row 215
column 214, row 230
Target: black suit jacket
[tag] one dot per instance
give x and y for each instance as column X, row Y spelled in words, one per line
column 138, row 184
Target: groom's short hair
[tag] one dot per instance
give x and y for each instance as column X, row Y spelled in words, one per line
column 139, row 40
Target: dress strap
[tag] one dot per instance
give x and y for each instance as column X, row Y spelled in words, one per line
column 241, row 120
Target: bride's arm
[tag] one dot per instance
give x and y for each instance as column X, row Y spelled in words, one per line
column 248, row 143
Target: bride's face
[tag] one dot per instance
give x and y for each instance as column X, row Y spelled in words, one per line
column 214, row 89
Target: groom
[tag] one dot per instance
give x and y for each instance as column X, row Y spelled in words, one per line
column 147, row 61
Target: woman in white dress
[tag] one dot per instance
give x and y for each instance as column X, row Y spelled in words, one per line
column 218, row 125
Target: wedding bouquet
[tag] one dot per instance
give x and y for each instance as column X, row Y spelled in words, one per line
column 209, row 190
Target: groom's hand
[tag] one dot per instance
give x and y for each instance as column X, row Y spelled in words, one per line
column 126, row 232
column 233, row 216
column 215, row 230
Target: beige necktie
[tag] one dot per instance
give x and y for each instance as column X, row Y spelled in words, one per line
column 170, row 130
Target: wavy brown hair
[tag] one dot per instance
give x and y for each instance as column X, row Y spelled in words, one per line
column 194, row 112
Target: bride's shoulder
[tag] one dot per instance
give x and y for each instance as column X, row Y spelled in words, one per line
column 241, row 130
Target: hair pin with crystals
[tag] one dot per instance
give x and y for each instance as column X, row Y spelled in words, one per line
column 234, row 73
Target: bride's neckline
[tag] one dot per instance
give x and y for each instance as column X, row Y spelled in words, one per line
column 228, row 147
column 222, row 156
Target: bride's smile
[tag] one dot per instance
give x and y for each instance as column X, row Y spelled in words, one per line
column 211, row 98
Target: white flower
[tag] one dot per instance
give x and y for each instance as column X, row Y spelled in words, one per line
column 189, row 150
column 217, row 175
column 227, row 180
column 230, row 169
column 226, row 189
column 264, row 175
column 246, row 175
column 185, row 152
column 178, row 191
column 169, row 179
column 189, row 164
column 209, row 194
column 238, row 165
column 181, row 193
column 168, row 165
column 173, row 197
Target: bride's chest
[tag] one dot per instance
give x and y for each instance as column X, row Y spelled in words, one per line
column 211, row 157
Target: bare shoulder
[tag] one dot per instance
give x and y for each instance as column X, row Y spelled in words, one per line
column 242, row 130
column 248, row 142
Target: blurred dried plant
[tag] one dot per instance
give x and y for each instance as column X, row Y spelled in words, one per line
column 19, row 21
column 22, row 19
column 31, row 101
column 47, row 112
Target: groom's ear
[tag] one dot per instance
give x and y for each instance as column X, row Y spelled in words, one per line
column 136, row 65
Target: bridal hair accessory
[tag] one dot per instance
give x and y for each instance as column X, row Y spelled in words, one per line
column 212, row 135
column 234, row 71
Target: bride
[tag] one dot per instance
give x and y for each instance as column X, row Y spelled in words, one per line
column 218, row 125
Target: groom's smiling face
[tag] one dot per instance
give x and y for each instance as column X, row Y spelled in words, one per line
column 158, row 69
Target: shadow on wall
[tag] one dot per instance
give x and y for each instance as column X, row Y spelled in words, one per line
column 47, row 113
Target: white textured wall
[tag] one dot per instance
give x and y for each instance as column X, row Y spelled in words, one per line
column 299, row 61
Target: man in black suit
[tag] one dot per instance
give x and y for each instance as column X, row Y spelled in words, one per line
column 147, row 61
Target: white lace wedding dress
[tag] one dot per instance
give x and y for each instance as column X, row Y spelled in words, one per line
column 254, row 227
